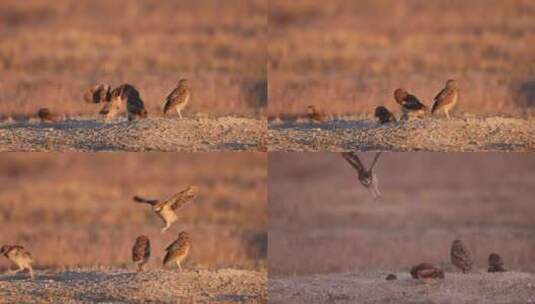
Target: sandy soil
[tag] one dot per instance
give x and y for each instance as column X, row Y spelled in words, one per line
column 153, row 134
column 459, row 134
column 509, row 287
column 160, row 286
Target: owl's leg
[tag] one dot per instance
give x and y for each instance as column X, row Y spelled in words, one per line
column 31, row 272
column 164, row 229
column 139, row 267
column 447, row 113
column 179, row 266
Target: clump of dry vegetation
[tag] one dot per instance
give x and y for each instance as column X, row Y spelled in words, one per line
column 50, row 52
column 318, row 209
column 76, row 210
column 349, row 56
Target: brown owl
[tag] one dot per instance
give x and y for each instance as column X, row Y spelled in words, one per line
column 19, row 256
column 166, row 209
column 496, row 263
column 178, row 251
column 47, row 116
column 383, row 115
column 426, row 271
column 178, row 99
column 366, row 176
column 125, row 94
column 410, row 104
column 447, row 98
column 460, row 256
column 141, row 252
column 314, row 115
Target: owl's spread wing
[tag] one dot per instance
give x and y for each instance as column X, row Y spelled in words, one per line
column 353, row 160
column 182, row 198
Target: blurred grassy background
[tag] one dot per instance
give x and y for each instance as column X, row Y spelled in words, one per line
column 347, row 57
column 322, row 220
column 76, row 209
column 50, row 51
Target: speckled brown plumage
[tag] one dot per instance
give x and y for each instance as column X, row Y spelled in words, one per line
column 166, row 209
column 141, row 251
column 178, row 250
column 366, row 176
column 125, row 94
column 426, row 271
column 19, row 256
column 314, row 115
column 178, row 99
column 97, row 93
column 496, row 263
column 47, row 116
column 410, row 104
column 447, row 98
column 383, row 115
column 460, row 256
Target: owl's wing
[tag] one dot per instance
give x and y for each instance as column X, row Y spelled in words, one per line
column 178, row 95
column 374, row 187
column 182, row 198
column 353, row 159
column 142, row 200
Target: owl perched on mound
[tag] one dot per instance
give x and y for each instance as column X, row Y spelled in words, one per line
column 460, row 256
column 383, row 115
column 447, row 98
column 141, row 252
column 178, row 99
column 125, row 94
column 178, row 250
column 410, row 104
column 496, row 263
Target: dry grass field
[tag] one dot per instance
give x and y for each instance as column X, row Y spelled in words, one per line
column 51, row 51
column 347, row 57
column 328, row 235
column 76, row 210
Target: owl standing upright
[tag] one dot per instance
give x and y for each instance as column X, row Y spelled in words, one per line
column 460, row 256
column 178, row 250
column 447, row 98
column 141, row 252
column 178, row 99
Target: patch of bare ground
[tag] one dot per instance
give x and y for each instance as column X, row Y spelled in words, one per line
column 481, row 287
column 458, row 134
column 121, row 286
column 152, row 134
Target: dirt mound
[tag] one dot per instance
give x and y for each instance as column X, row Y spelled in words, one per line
column 430, row 134
column 152, row 134
column 162, row 286
column 482, row 287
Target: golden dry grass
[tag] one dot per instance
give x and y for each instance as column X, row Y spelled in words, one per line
column 322, row 220
column 50, row 52
column 76, row 209
column 349, row 56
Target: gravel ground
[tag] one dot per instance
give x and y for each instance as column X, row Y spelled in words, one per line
column 481, row 287
column 151, row 134
column 430, row 134
column 159, row 286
